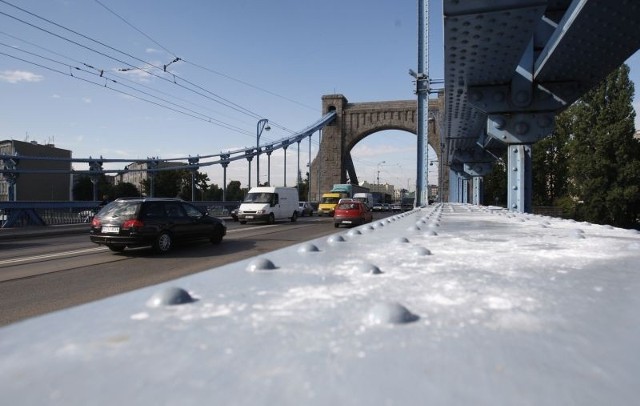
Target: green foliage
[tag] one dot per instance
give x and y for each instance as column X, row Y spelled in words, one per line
column 234, row 192
column 550, row 162
column 125, row 189
column 495, row 185
column 176, row 183
column 605, row 157
column 213, row 193
column 303, row 187
column 83, row 188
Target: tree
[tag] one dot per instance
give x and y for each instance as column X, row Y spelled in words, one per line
column 213, row 193
column 495, row 184
column 605, row 156
column 303, row 187
column 234, row 192
column 550, row 161
column 175, row 183
column 83, row 188
column 125, row 189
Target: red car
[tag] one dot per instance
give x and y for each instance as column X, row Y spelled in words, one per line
column 351, row 213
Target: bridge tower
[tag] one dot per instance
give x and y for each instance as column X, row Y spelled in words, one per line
column 356, row 121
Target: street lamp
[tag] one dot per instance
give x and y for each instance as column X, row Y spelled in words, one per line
column 262, row 125
column 378, row 172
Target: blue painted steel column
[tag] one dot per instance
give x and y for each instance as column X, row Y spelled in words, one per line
column 224, row 162
column 478, row 182
column 262, row 125
column 422, row 90
column 520, row 178
column 453, row 186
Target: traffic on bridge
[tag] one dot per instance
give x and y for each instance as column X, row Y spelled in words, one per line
column 435, row 297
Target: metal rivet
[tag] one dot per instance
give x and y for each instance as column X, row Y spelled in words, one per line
column 421, row 251
column 261, row 264
column 169, row 297
column 354, row 232
column 401, row 240
column 369, row 268
column 308, row 247
column 390, row 313
column 336, row 238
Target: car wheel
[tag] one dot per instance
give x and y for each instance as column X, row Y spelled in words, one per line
column 116, row 248
column 336, row 225
column 163, row 242
column 216, row 237
column 271, row 219
column 294, row 217
column 243, row 222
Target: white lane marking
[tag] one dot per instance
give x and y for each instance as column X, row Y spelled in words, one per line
column 86, row 250
column 53, row 255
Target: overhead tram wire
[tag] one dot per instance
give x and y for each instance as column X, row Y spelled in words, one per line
column 187, row 112
column 274, row 124
column 135, row 28
column 200, row 66
column 120, row 79
column 216, row 98
column 133, row 67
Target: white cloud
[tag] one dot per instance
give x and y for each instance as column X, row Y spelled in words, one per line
column 152, row 51
column 16, row 76
column 86, row 100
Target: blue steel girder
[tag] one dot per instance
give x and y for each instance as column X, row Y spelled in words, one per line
column 520, row 128
column 514, row 56
column 591, row 40
column 474, row 162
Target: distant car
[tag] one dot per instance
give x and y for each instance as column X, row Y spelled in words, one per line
column 377, row 207
column 154, row 222
column 305, row 209
column 386, row 207
column 351, row 213
column 396, row 207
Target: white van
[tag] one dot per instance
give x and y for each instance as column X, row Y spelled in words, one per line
column 366, row 198
column 268, row 204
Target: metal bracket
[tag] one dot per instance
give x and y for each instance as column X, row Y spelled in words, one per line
column 520, row 128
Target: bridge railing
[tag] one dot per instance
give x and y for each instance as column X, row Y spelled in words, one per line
column 24, row 214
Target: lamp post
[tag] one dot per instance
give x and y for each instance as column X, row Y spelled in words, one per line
column 262, row 125
column 378, row 173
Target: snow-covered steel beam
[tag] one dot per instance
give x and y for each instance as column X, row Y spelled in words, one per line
column 449, row 304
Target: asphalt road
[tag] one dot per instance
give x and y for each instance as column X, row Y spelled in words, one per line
column 44, row 273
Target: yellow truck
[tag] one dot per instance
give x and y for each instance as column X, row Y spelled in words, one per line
column 328, row 203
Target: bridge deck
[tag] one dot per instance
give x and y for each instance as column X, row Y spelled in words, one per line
column 471, row 306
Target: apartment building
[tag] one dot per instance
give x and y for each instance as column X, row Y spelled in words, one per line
column 39, row 184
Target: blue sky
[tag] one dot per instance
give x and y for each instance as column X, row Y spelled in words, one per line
column 240, row 60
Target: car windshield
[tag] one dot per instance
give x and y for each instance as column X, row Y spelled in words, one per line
column 119, row 209
column 347, row 206
column 259, row 198
column 330, row 200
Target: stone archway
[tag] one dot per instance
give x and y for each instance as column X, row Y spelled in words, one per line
column 353, row 123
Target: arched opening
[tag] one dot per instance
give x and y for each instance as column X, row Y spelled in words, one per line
column 388, row 159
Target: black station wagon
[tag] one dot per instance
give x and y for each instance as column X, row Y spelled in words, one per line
column 155, row 222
